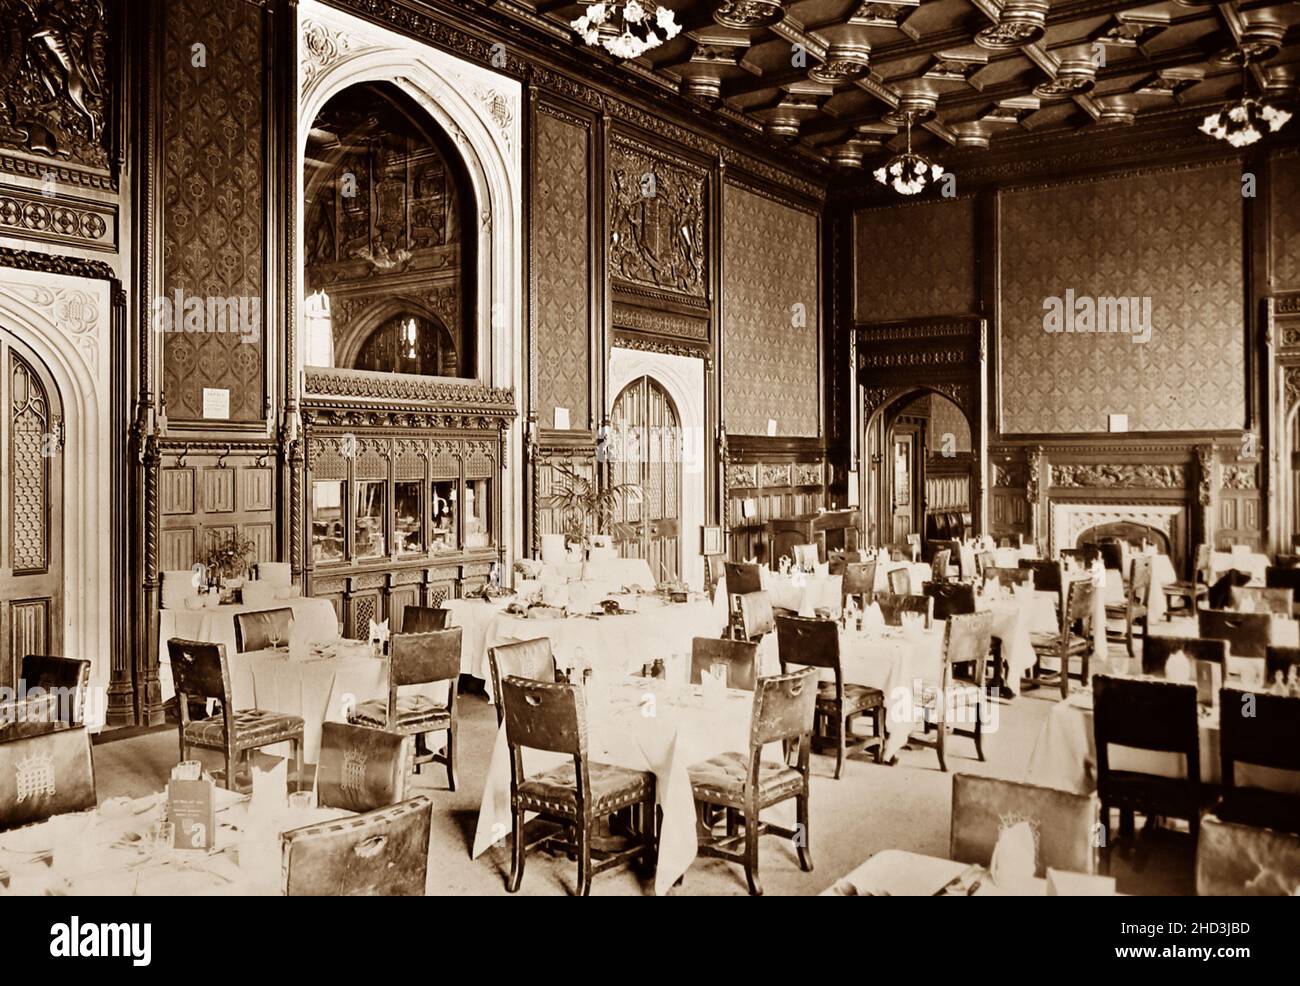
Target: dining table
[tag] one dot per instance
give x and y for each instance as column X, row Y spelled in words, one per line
column 115, row 849
column 652, row 724
column 900, row 873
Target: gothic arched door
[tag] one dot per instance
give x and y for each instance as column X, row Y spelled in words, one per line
column 647, row 436
column 31, row 491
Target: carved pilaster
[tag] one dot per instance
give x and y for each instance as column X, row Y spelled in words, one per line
column 1032, row 486
column 149, row 692
column 1205, row 491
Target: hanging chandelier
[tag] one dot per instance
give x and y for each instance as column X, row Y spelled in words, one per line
column 626, row 30
column 1244, row 123
column 908, row 173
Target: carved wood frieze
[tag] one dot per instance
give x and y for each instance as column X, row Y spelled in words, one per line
column 37, row 217
column 1205, row 464
column 1132, row 476
column 1009, row 475
column 657, row 219
column 1238, row 476
column 660, row 322
column 55, row 86
column 403, row 388
column 1033, row 471
column 665, row 347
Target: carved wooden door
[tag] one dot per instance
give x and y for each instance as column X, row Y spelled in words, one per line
column 646, row 450
column 903, row 472
column 31, row 487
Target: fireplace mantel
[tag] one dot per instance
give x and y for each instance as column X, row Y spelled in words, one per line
column 1070, row 518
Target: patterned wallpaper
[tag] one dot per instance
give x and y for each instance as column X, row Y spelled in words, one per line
column 1174, row 237
column 213, row 198
column 916, row 260
column 561, row 266
column 770, row 345
column 1286, row 222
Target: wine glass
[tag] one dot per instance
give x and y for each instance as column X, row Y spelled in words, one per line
column 273, row 632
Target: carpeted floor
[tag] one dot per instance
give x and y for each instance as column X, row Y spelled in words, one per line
column 870, row 808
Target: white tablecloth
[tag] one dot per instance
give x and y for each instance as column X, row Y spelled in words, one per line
column 474, row 617
column 613, row 573
column 800, row 592
column 1250, row 562
column 920, row 574
column 886, row 660
column 643, row 724
column 218, row 625
column 907, row 874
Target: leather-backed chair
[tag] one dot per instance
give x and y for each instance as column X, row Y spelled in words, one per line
column 859, row 581
column 64, row 682
column 1064, row 644
column 893, row 606
column 985, row 561
column 1280, row 660
column 1270, row 737
column 950, row 598
column 1234, row 860
column 1136, row 606
column 746, row 784
column 939, row 565
column 530, row 659
column 1147, row 715
column 46, row 774
column 419, row 659
column 1048, row 576
column 1156, row 652
column 1010, row 577
column 383, row 853
column 1191, row 593
column 967, row 640
column 740, row 657
column 424, row 619
column 742, row 578
column 262, row 629
column 755, row 618
column 553, row 717
column 815, row 643
column 900, row 581
column 1247, row 634
column 1253, row 599
column 201, row 672
column 361, row 769
column 713, row 573
column 1064, row 823
column 1283, row 577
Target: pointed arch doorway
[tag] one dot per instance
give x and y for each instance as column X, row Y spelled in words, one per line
column 647, row 432
column 31, row 494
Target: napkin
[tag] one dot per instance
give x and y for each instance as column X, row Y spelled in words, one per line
column 300, row 641
column 379, row 632
column 872, row 618
column 270, row 789
column 555, row 595
column 714, row 687
column 1013, row 856
column 553, row 551
column 1177, row 667
column 823, row 569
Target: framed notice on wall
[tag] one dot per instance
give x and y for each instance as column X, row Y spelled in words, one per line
column 710, row 540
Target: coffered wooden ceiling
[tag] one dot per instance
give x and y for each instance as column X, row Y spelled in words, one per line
column 979, row 73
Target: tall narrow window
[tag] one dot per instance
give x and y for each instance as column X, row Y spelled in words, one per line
column 32, row 448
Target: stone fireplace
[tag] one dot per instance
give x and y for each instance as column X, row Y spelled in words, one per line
column 1165, row 524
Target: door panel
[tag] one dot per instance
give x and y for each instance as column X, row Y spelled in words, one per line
column 647, row 437
column 31, row 534
column 904, row 461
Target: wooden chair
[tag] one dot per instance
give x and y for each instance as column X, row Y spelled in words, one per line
column 939, row 565
column 1064, row 823
column 419, row 659
column 1235, row 860
column 893, row 606
column 713, row 573
column 1148, row 715
column 1010, row 577
column 1269, row 737
column 553, row 717
column 746, row 784
column 859, row 581
column 361, row 769
column 64, row 682
column 262, row 629
column 805, row 556
column 201, row 672
column 1247, row 634
column 45, row 774
column 1065, row 644
column 1156, row 652
column 531, row 659
column 383, row 853
column 1278, row 577
column 1191, row 593
column 1136, row 606
column 1253, row 599
column 740, row 657
column 1048, row 576
column 950, row 598
column 424, row 619
column 742, row 579
column 900, row 582
column 1285, row 561
column 912, row 546
column 966, row 640
column 985, row 561
column 1279, row 660
column 815, row 643
column 755, row 618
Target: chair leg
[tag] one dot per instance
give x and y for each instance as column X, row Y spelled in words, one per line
column 648, row 833
column 878, row 726
column 839, row 749
column 938, row 744
column 584, row 858
column 979, row 733
column 517, row 854
column 451, row 757
column 804, row 847
column 297, row 763
column 231, row 762
column 751, row 854
column 1065, row 675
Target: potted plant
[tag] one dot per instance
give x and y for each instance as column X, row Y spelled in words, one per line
column 226, row 557
column 588, row 508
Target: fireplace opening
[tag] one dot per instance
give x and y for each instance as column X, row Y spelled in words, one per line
column 1106, row 539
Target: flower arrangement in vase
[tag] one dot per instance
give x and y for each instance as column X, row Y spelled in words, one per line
column 225, row 557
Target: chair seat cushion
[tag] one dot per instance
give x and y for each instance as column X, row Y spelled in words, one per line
column 721, row 780
column 855, row 696
column 1151, row 793
column 415, row 713
column 1261, row 808
column 556, row 790
column 1120, row 610
column 968, row 690
column 1050, row 643
column 1184, row 588
column 253, row 728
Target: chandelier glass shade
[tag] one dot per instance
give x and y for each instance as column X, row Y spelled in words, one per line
column 1244, row 123
column 908, row 173
column 626, row 29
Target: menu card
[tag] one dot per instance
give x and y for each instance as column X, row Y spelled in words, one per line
column 190, row 807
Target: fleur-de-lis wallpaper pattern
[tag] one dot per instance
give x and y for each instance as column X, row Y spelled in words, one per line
column 213, row 196
column 770, row 323
column 1286, row 222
